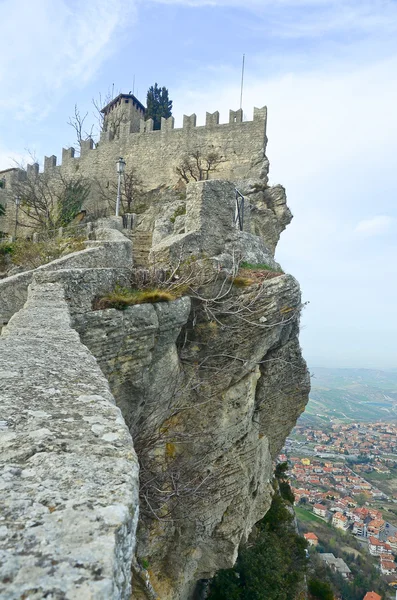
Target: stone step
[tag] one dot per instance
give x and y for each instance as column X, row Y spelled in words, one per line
column 141, row 245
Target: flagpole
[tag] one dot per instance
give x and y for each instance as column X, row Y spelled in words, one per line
column 242, row 82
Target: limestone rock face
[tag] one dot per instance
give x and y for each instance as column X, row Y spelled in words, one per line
column 269, row 213
column 210, row 227
column 204, row 390
column 209, row 403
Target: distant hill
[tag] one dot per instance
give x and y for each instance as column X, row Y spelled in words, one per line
column 352, row 394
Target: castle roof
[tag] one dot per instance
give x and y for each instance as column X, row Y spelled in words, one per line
column 118, row 99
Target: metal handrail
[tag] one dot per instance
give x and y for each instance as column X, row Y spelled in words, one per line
column 239, row 214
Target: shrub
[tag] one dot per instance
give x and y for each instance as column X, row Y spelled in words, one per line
column 270, row 568
column 320, row 590
column 286, row 492
column 30, row 255
column 6, row 248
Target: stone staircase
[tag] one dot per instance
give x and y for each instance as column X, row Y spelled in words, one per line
column 141, row 245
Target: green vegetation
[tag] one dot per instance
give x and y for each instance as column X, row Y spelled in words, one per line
column 30, row 255
column 242, row 282
column 6, row 248
column 71, row 200
column 280, row 474
column 320, row 590
column 158, row 105
column 49, row 204
column 375, row 476
column 181, row 210
column 308, row 517
column 271, row 566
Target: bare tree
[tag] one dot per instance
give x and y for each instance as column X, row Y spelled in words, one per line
column 197, row 166
column 50, row 202
column 77, row 123
column 99, row 103
column 130, row 190
column 113, row 121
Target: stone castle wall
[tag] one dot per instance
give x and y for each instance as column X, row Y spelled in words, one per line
column 153, row 156
column 68, row 469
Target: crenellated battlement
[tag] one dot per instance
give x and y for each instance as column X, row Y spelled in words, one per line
column 146, row 127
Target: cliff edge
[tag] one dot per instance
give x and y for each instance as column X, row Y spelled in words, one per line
column 201, row 391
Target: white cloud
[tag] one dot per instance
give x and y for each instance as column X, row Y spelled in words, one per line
column 374, row 226
column 10, row 159
column 332, row 141
column 47, row 46
column 297, row 18
column 319, row 122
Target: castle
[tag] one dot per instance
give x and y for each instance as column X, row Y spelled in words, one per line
column 137, row 445
column 152, row 156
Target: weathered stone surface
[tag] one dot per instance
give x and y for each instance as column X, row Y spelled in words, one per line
column 214, row 409
column 111, row 249
column 208, row 386
column 269, row 213
column 68, row 500
column 136, row 350
column 210, row 229
column 154, row 156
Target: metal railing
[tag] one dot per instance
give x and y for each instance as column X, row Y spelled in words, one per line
column 239, row 213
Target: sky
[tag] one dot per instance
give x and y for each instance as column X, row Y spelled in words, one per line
column 326, row 70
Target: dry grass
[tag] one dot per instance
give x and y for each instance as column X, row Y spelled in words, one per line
column 123, row 298
column 242, row 281
column 247, row 277
column 30, row 255
column 258, row 275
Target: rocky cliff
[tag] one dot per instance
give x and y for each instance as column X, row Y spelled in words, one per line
column 208, row 385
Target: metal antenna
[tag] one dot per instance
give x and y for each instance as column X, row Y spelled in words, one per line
column 242, row 82
column 133, row 85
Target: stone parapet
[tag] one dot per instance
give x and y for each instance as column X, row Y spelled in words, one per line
column 68, row 471
column 110, row 249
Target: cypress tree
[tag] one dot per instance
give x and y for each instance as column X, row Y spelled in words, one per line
column 158, row 105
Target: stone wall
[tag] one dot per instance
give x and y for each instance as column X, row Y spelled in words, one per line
column 110, row 249
column 68, row 471
column 154, row 155
column 214, row 423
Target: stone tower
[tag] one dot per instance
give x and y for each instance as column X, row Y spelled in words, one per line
column 123, row 109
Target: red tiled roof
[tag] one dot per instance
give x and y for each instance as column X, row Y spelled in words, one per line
column 372, row 596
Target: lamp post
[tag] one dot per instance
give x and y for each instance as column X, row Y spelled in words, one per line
column 120, row 164
column 17, row 203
